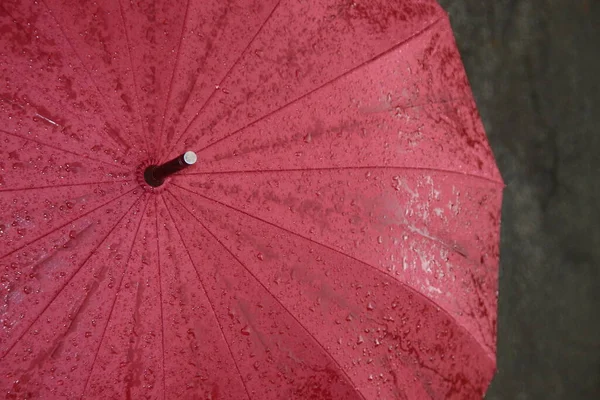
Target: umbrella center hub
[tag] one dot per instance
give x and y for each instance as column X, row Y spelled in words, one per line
column 141, row 176
column 154, row 177
column 151, row 179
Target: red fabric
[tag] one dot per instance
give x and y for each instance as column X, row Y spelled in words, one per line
column 337, row 238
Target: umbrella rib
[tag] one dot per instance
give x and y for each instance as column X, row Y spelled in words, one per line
column 206, row 294
column 65, row 185
column 65, row 224
column 169, row 93
column 396, row 108
column 115, row 298
column 412, row 229
column 394, row 48
column 489, row 346
column 403, row 284
column 89, row 75
column 160, row 294
column 402, row 168
column 69, row 279
column 434, row 239
column 63, row 150
column 235, row 63
column 274, row 298
column 135, row 88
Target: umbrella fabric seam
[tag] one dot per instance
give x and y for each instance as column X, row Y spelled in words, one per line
column 208, row 298
column 115, row 299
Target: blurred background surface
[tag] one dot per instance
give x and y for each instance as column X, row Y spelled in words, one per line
column 534, row 66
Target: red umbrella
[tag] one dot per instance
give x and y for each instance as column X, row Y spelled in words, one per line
column 337, row 236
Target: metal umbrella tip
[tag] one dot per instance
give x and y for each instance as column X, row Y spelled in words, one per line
column 190, row 158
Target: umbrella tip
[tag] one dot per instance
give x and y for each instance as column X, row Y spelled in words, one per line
column 155, row 175
column 190, row 158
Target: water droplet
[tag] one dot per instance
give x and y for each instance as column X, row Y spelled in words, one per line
column 88, row 334
column 245, row 331
column 396, row 184
column 260, row 256
column 360, row 340
column 370, row 307
column 379, row 239
column 191, row 333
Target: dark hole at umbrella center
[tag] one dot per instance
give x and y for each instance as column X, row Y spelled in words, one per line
column 150, row 178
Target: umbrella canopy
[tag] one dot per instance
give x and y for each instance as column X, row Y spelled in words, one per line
column 337, row 236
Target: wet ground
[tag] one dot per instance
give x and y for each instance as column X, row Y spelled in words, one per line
column 534, row 66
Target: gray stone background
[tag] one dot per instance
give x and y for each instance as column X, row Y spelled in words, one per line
column 534, row 66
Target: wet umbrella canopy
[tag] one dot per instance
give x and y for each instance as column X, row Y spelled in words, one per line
column 327, row 226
